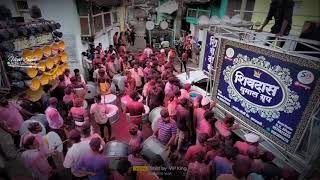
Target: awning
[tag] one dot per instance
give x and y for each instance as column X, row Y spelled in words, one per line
column 168, row 7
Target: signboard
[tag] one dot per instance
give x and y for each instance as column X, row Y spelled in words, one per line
column 209, row 52
column 272, row 92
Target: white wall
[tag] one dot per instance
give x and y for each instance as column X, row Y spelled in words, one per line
column 65, row 12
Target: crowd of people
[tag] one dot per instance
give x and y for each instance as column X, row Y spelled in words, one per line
column 201, row 146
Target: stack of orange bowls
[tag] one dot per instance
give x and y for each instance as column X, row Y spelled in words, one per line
column 64, row 57
column 38, row 54
column 28, row 55
column 32, row 72
column 47, row 51
column 61, row 45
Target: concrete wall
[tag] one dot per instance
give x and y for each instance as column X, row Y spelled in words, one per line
column 305, row 10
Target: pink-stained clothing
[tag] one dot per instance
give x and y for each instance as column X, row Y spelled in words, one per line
column 198, row 171
column 130, row 85
column 54, row 118
column 205, row 127
column 146, row 71
column 136, row 139
column 192, row 151
column 170, row 88
column 100, row 112
column 111, row 68
column 10, row 116
column 79, row 115
column 97, row 60
column 147, row 52
column 184, row 94
column 222, row 129
column 172, row 107
column 198, row 115
column 67, row 80
column 135, row 109
column 67, row 98
column 146, row 89
column 137, row 76
column 74, row 155
column 43, row 147
column 243, row 147
column 155, row 98
column 37, row 162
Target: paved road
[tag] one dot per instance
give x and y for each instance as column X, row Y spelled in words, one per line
column 140, row 42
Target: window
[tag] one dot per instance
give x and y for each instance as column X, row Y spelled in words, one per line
column 107, row 19
column 22, row 5
column 97, row 21
column 84, row 24
column 115, row 17
column 192, row 13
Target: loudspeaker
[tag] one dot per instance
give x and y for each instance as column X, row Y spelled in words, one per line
column 35, row 12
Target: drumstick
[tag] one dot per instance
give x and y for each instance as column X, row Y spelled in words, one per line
column 60, row 144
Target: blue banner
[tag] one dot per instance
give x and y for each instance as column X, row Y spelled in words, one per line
column 209, row 52
column 270, row 92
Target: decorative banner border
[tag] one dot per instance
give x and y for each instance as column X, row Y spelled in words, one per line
column 288, row 104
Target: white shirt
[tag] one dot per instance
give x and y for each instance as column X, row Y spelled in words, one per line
column 54, row 118
column 184, row 94
column 67, row 80
column 74, row 155
column 100, row 112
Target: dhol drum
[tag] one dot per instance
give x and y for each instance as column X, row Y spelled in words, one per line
column 91, row 90
column 41, row 118
column 152, row 146
column 119, row 80
column 109, row 99
column 53, row 141
column 24, row 127
column 113, row 114
column 125, row 99
column 85, row 104
column 154, row 116
column 115, row 150
column 113, row 89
